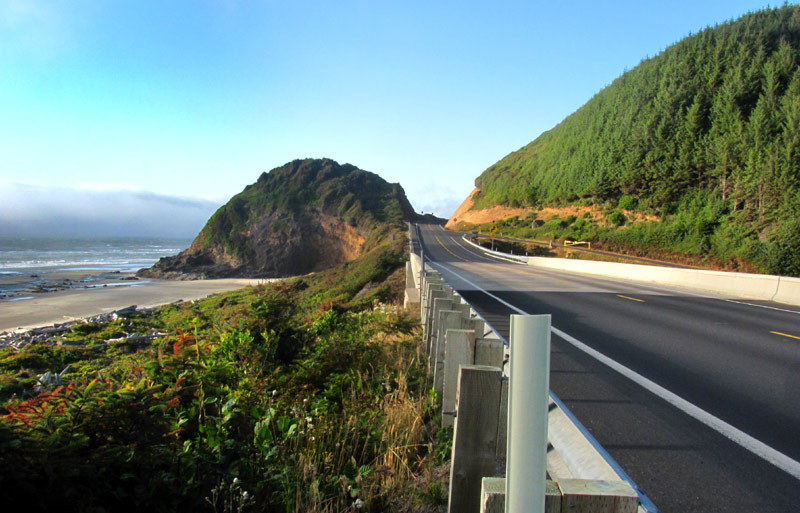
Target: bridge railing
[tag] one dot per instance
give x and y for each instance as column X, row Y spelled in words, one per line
column 472, row 370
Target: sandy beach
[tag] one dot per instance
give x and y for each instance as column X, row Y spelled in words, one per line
column 43, row 309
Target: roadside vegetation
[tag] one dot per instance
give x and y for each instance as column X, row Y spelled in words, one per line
column 704, row 136
column 308, row 394
column 689, row 236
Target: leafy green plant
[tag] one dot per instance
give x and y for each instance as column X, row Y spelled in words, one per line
column 627, row 202
column 271, row 391
column 616, row 218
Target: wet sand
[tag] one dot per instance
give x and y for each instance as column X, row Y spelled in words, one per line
column 43, row 309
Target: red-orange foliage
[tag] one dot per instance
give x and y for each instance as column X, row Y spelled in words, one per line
column 29, row 411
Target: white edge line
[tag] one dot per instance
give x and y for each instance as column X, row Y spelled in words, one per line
column 488, row 252
column 730, row 432
column 472, row 251
column 760, row 306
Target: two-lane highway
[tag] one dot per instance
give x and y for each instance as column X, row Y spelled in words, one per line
column 696, row 396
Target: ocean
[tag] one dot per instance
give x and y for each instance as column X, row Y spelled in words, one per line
column 44, row 263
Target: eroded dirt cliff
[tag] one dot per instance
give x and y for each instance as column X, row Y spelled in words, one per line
column 277, row 245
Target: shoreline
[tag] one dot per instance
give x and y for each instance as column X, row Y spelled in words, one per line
column 18, row 286
column 75, row 303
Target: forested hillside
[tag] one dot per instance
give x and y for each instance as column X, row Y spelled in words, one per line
column 706, row 135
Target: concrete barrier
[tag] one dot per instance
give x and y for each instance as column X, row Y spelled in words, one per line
column 788, row 291
column 764, row 287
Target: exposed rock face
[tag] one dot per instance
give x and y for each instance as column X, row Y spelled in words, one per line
column 305, row 216
column 465, row 214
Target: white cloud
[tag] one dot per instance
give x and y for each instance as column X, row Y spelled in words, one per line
column 441, row 200
column 60, row 211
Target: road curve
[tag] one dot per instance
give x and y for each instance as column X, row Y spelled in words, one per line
column 736, row 361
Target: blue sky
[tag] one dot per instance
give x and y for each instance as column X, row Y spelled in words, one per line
column 194, row 99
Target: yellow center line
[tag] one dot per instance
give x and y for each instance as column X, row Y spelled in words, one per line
column 631, row 298
column 785, row 334
column 448, row 250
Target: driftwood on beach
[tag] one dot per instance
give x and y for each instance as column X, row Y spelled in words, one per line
column 53, row 334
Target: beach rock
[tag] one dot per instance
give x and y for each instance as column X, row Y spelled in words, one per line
column 126, row 311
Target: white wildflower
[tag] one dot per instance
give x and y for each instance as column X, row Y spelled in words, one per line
column 358, row 504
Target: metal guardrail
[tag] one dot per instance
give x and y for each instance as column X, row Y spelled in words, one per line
column 497, row 254
column 567, row 434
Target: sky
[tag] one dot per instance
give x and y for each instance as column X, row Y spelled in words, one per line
column 144, row 117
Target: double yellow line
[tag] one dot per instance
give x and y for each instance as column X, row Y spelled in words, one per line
column 448, row 250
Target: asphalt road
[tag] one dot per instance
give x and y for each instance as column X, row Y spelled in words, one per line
column 736, row 360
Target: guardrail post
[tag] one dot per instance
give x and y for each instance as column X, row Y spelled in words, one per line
column 526, row 454
column 459, row 350
column 458, row 305
column 598, row 496
column 440, row 304
column 478, row 325
column 489, row 351
column 493, row 496
column 502, row 421
column 428, row 281
column 434, row 292
column 448, row 320
column 474, row 436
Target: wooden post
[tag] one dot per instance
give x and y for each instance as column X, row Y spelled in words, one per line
column 478, row 325
column 598, row 496
column 429, row 280
column 489, row 351
column 448, row 320
column 440, row 304
column 434, row 292
column 474, row 436
column 459, row 350
column 502, row 421
column 493, row 496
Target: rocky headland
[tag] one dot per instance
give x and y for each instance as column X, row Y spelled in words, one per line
column 302, row 217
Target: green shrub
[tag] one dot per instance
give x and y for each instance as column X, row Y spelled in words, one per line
column 627, row 202
column 616, row 218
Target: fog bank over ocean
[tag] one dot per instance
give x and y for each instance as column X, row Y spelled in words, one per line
column 32, row 210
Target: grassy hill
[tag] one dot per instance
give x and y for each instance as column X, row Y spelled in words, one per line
column 705, row 135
